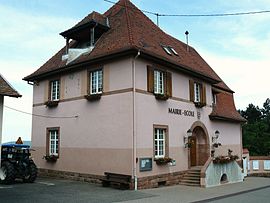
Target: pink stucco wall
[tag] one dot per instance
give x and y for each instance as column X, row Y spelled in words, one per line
column 100, row 139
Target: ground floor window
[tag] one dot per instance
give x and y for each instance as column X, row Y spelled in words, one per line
column 53, row 141
column 160, row 141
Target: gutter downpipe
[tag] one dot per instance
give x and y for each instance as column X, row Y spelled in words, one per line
column 134, row 122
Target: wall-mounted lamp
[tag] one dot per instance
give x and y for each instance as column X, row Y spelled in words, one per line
column 189, row 134
column 214, row 138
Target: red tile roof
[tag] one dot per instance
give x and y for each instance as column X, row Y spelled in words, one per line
column 131, row 30
column 6, row 89
column 225, row 109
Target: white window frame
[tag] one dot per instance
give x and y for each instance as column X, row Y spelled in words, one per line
column 197, row 92
column 214, row 98
column 255, row 165
column 266, row 165
column 173, row 50
column 167, row 50
column 158, row 82
column 159, row 142
column 55, row 90
column 96, row 82
column 54, row 142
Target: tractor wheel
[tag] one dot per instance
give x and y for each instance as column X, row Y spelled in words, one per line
column 7, row 173
column 31, row 175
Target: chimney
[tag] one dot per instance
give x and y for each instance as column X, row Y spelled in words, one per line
column 187, row 33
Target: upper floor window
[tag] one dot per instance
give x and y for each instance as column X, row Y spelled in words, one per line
column 214, row 98
column 96, row 82
column 197, row 93
column 55, row 90
column 158, row 82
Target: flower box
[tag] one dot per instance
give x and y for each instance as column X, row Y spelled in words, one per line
column 163, row 161
column 199, row 104
column 51, row 104
column 225, row 159
column 51, row 158
column 161, row 97
column 93, row 97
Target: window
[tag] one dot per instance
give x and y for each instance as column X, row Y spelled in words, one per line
column 197, row 92
column 158, row 82
column 255, row 164
column 167, row 50
column 266, row 164
column 96, row 82
column 214, row 98
column 55, row 90
column 53, row 141
column 173, row 50
column 160, row 142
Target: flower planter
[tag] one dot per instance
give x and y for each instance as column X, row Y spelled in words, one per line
column 51, row 104
column 163, row 161
column 93, row 97
column 225, row 159
column 199, row 104
column 161, row 97
column 51, row 158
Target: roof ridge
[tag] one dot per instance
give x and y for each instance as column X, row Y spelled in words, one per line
column 130, row 35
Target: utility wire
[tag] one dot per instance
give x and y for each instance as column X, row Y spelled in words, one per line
column 38, row 115
column 196, row 15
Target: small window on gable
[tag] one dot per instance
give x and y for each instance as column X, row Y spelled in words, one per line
column 197, row 92
column 96, row 82
column 173, row 50
column 54, row 90
column 167, row 50
column 214, row 97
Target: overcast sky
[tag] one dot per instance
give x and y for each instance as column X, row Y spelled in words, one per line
column 236, row 47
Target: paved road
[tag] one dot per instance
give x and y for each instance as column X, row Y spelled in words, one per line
column 49, row 190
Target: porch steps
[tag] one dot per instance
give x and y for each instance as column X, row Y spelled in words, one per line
column 192, row 177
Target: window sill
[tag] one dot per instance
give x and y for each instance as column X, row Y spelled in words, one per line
column 51, row 104
column 93, row 97
column 161, row 97
column 199, row 104
column 51, row 158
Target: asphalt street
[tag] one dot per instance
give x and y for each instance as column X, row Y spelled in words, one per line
column 50, row 190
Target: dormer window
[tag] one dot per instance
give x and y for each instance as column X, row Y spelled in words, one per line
column 173, row 50
column 167, row 50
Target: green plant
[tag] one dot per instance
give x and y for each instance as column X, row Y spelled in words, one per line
column 225, row 159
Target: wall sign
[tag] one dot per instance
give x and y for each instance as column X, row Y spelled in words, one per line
column 145, row 164
column 181, row 112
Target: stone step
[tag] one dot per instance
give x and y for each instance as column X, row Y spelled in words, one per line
column 191, row 181
column 191, row 178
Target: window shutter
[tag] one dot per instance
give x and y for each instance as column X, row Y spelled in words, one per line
column 203, row 94
column 169, row 84
column 150, row 79
column 191, row 90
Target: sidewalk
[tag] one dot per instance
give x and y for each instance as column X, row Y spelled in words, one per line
column 183, row 194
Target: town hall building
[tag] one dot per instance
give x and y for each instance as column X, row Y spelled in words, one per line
column 124, row 97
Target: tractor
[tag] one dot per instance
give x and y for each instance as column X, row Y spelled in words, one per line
column 16, row 163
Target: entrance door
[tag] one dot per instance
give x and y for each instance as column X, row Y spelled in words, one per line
column 193, row 158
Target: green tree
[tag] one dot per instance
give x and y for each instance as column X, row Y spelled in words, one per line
column 256, row 132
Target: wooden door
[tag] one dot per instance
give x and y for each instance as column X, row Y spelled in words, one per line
column 193, row 157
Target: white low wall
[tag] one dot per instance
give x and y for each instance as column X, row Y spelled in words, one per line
column 214, row 173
